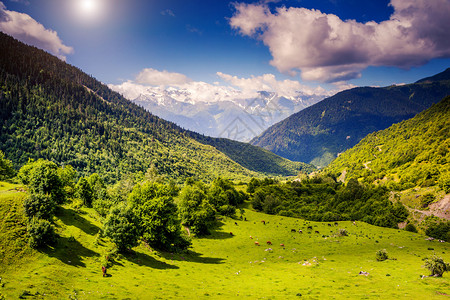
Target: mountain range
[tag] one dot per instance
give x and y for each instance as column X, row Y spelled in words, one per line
column 235, row 117
column 320, row 132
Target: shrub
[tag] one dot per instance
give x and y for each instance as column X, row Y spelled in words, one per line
column 6, row 167
column 436, row 265
column 227, row 210
column 444, row 182
column 120, row 226
column 158, row 217
column 84, row 191
column 41, row 206
column 40, row 233
column 426, row 200
column 195, row 209
column 381, row 255
column 411, row 228
column 439, row 231
column 42, row 176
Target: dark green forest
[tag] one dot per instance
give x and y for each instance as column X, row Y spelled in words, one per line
column 318, row 133
column 255, row 158
column 324, row 199
column 51, row 110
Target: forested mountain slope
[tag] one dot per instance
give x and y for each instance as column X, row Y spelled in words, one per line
column 255, row 158
column 52, row 110
column 415, row 152
column 318, row 133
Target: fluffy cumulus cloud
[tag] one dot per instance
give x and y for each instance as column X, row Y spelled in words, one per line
column 268, row 82
column 26, row 29
column 325, row 48
column 155, row 77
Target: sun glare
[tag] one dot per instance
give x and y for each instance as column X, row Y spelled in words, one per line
column 89, row 12
column 89, row 6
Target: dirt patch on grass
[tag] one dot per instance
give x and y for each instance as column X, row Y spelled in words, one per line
column 440, row 209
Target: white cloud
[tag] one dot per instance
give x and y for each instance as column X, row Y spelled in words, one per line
column 324, row 47
column 24, row 28
column 193, row 29
column 168, row 12
column 231, row 88
column 129, row 89
column 268, row 82
column 154, row 77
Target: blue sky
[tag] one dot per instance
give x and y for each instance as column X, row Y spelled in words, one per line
column 116, row 40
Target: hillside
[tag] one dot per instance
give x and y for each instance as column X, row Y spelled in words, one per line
column 254, row 158
column 51, row 110
column 415, row 152
column 318, row 133
column 220, row 265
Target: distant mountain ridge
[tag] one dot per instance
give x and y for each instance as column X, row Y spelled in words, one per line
column 251, row 116
column 445, row 75
column 320, row 132
column 52, row 110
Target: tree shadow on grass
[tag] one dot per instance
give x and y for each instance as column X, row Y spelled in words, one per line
column 215, row 232
column 143, row 259
column 217, row 235
column 191, row 256
column 71, row 218
column 69, row 251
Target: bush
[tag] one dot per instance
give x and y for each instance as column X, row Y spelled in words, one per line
column 227, row 210
column 444, row 182
column 121, row 227
column 439, row 231
column 158, row 217
column 84, row 192
column 381, row 255
column 6, row 167
column 195, row 209
column 436, row 265
column 426, row 200
column 41, row 206
column 411, row 228
column 42, row 176
column 40, row 233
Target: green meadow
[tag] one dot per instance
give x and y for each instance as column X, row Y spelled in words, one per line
column 227, row 264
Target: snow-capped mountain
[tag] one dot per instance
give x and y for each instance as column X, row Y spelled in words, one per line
column 234, row 118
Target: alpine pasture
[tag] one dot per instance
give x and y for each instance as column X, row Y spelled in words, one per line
column 316, row 263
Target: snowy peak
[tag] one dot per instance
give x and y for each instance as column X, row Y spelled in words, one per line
column 227, row 114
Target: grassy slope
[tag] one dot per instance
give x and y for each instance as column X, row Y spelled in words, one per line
column 226, row 266
column 413, row 150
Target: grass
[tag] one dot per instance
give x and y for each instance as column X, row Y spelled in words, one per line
column 412, row 197
column 310, row 265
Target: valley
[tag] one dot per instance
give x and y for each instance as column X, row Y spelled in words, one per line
column 224, row 149
column 221, row 265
